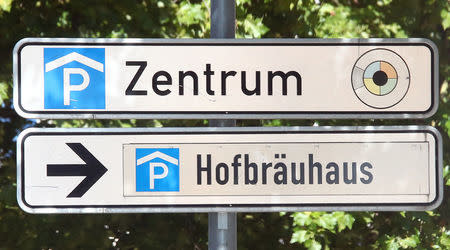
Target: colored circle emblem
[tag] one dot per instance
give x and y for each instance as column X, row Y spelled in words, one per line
column 380, row 78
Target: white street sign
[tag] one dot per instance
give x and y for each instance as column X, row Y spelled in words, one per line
column 229, row 169
column 217, row 78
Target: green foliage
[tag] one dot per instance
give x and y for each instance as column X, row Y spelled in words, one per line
column 312, row 229
column 342, row 230
column 255, row 19
column 251, row 27
column 248, row 26
column 5, row 5
column 194, row 19
column 445, row 15
column 3, row 92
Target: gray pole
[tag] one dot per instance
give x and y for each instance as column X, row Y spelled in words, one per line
column 223, row 18
column 222, row 225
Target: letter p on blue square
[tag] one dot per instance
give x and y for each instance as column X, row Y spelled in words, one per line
column 74, row 78
column 157, row 170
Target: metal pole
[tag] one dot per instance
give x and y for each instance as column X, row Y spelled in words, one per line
column 222, row 226
column 222, row 231
column 223, row 18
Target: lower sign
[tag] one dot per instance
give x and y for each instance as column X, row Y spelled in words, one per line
column 229, row 169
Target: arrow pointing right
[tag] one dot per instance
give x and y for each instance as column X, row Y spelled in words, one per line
column 93, row 170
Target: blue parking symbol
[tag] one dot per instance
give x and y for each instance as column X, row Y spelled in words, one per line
column 74, row 78
column 157, row 170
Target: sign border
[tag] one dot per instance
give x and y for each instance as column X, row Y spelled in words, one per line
column 68, row 114
column 227, row 207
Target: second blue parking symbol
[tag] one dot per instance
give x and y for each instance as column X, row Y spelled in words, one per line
column 157, row 169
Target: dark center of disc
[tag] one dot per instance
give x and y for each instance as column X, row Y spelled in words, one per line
column 380, row 78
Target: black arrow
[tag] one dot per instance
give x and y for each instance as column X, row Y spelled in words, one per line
column 93, row 170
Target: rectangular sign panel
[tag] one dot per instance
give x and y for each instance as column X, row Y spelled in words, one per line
column 214, row 78
column 229, row 169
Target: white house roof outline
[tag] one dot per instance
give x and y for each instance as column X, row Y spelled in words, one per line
column 74, row 56
column 157, row 154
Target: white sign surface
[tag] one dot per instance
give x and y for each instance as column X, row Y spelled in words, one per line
column 240, row 169
column 275, row 78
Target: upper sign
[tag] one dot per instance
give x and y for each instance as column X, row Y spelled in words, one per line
column 229, row 169
column 217, row 79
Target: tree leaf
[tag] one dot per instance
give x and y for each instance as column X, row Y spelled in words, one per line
column 313, row 245
column 445, row 15
column 411, row 241
column 302, row 218
column 3, row 92
column 344, row 220
column 300, row 236
column 5, row 5
column 327, row 221
column 254, row 27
